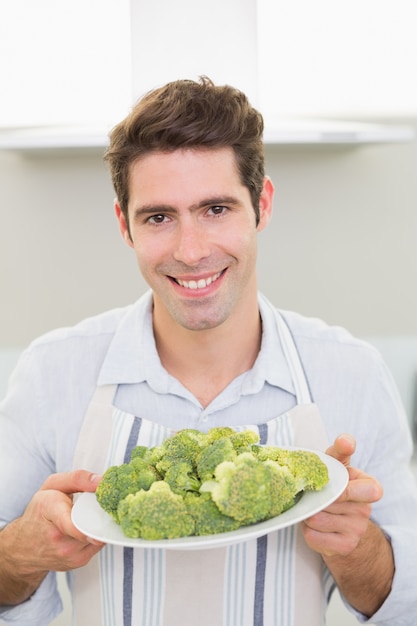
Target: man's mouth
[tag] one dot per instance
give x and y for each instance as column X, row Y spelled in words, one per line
column 201, row 283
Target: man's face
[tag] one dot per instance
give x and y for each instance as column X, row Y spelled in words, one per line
column 192, row 226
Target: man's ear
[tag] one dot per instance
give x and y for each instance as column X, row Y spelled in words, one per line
column 265, row 203
column 123, row 225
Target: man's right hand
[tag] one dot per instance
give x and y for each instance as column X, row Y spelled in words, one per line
column 44, row 538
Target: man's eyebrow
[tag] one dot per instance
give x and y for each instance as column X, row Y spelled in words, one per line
column 218, row 201
column 155, row 209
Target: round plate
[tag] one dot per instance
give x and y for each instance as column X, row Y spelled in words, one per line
column 94, row 522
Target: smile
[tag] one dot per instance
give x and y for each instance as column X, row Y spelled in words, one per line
column 198, row 284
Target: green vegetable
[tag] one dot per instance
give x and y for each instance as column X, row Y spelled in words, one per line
column 120, row 480
column 212, row 455
column 206, row 483
column 307, row 468
column 206, row 515
column 185, row 445
column 244, row 440
column 155, row 514
column 242, row 489
column 181, row 478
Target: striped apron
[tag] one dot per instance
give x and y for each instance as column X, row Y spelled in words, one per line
column 275, row 580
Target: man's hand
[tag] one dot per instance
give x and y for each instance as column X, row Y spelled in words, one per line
column 355, row 550
column 338, row 529
column 44, row 537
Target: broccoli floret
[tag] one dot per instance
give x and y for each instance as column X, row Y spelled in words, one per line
column 212, row 455
column 155, row 514
column 218, row 432
column 309, row 471
column 181, row 478
column 185, row 445
column 139, row 452
column 241, row 489
column 207, row 517
column 283, row 488
column 120, row 480
column 244, row 441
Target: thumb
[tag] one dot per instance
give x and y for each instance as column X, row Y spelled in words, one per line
column 343, row 448
column 72, row 482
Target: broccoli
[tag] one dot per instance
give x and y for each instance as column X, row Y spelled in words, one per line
column 307, row 468
column 155, row 514
column 244, row 441
column 212, row 455
column 283, row 488
column 196, row 483
column 207, row 517
column 218, row 432
column 185, row 445
column 120, row 480
column 149, row 455
column 139, row 452
column 241, row 489
column 181, row 478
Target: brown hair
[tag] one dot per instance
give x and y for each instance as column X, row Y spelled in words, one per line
column 189, row 114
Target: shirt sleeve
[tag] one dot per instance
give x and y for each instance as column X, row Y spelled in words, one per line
column 41, row 608
column 24, row 465
column 384, row 450
column 25, row 459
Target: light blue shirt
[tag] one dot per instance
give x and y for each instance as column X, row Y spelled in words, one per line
column 50, row 390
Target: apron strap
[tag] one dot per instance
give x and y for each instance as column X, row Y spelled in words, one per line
column 96, row 427
column 98, row 420
column 302, row 390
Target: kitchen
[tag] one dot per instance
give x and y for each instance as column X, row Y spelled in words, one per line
column 345, row 237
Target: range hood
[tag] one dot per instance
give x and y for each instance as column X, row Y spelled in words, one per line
column 220, row 39
column 282, row 131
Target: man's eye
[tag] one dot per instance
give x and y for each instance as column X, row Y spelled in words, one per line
column 218, row 210
column 157, row 219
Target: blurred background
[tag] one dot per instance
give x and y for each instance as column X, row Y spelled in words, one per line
column 335, row 83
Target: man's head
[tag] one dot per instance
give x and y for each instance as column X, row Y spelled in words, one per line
column 188, row 114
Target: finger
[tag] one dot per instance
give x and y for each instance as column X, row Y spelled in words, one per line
column 364, row 489
column 340, row 519
column 57, row 511
column 72, row 482
column 343, row 448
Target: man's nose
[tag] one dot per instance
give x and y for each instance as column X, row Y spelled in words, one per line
column 192, row 243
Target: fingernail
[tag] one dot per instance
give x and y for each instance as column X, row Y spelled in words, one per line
column 349, row 438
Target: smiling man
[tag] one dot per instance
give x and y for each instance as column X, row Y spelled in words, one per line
column 195, row 241
column 202, row 348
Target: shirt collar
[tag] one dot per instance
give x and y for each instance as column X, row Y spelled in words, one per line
column 132, row 357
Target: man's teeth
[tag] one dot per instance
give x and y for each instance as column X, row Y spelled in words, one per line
column 198, row 284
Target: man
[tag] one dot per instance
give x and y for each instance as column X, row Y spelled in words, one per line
column 203, row 348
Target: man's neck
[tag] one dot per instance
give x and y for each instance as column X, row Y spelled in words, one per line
column 206, row 361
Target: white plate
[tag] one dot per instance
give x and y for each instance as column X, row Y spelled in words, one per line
column 93, row 521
